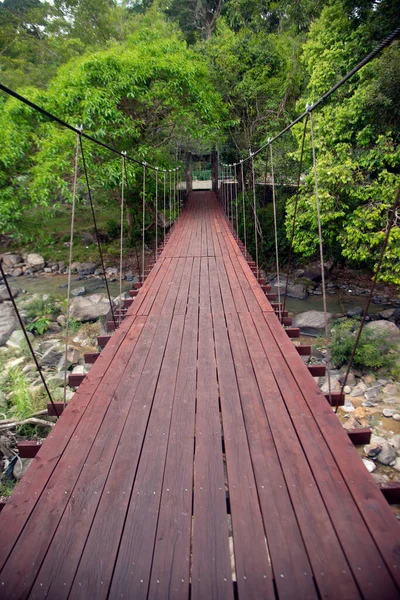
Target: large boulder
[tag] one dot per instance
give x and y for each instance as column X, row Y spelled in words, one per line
column 313, row 274
column 4, row 296
column 52, row 356
column 391, row 329
column 311, row 322
column 8, row 322
column 87, row 268
column 17, row 339
column 297, row 290
column 11, row 260
column 89, row 308
column 35, row 262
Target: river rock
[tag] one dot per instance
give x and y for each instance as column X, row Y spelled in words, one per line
column 72, row 358
column 11, row 260
column 297, row 290
column 387, row 455
column 372, row 450
column 112, row 271
column 79, row 291
column 356, row 311
column 359, row 390
column 351, row 378
column 89, row 308
column 52, row 356
column 35, row 261
column 8, row 322
column 335, row 385
column 371, row 466
column 4, row 295
column 87, row 238
column 20, row 467
column 372, row 394
column 388, row 412
column 390, row 389
column 388, row 313
column 86, row 268
column 393, row 332
column 395, row 442
column 17, row 272
column 311, row 322
column 313, row 274
column 17, row 338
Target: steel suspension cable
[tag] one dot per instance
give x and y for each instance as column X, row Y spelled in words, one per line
column 28, row 341
column 295, row 211
column 275, row 233
column 244, row 210
column 321, row 253
column 71, row 244
column 121, row 239
column 96, row 229
column 255, row 211
column 60, row 121
column 143, row 217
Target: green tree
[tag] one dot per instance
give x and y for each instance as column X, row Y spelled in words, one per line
column 142, row 96
column 357, row 134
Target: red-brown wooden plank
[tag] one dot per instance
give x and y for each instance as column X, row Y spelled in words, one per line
column 211, row 568
column 171, row 565
column 138, row 538
column 253, row 571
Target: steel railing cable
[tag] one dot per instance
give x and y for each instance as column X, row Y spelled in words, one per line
column 77, row 130
column 244, row 209
column 28, row 341
column 71, row 245
column 170, row 197
column 156, row 214
column 121, row 238
column 254, row 210
column 230, row 194
column 278, row 281
column 373, row 54
column 175, row 203
column 236, row 202
column 321, row 254
column 143, row 218
column 389, row 227
column 165, row 194
column 95, row 227
column 296, row 203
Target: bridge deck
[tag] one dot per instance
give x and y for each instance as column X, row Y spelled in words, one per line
column 199, row 458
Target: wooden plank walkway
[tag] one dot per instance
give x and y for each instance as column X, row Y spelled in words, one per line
column 199, row 459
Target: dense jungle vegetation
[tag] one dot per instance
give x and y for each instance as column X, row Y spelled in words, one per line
column 156, row 77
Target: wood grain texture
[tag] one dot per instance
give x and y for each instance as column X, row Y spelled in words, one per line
column 199, row 459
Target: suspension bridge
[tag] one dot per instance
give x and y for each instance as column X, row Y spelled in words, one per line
column 198, row 457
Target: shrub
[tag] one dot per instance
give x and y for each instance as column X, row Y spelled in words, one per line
column 39, row 326
column 374, row 350
column 37, row 307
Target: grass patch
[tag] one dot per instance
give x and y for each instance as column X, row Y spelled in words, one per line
column 47, row 231
column 6, row 487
